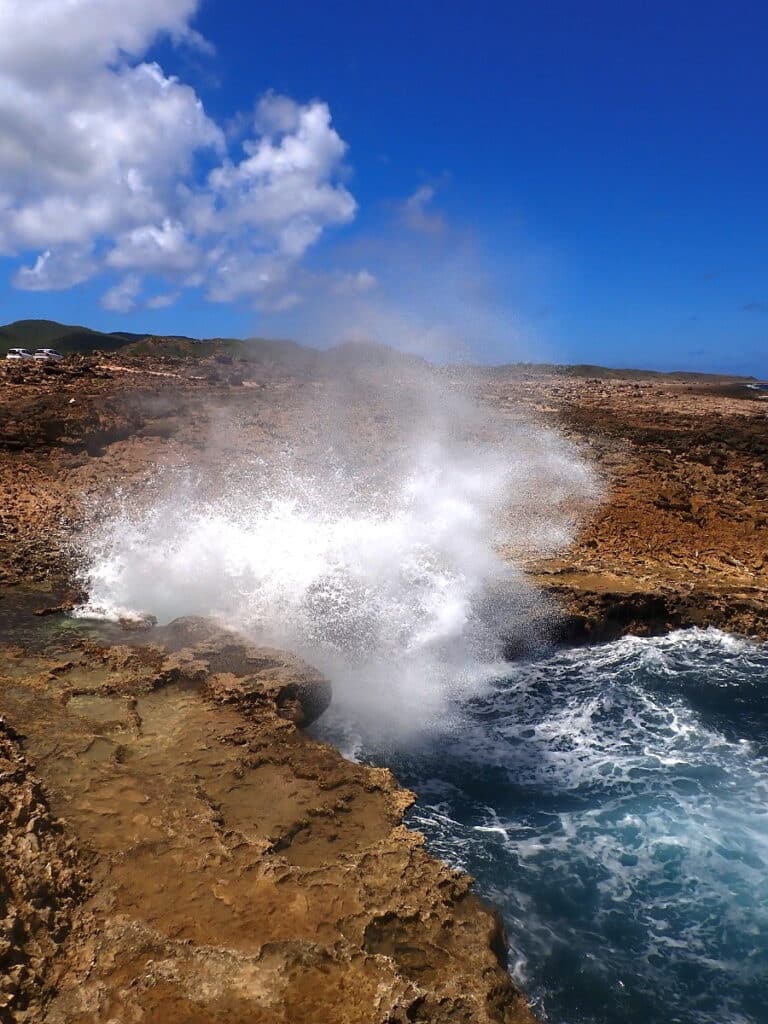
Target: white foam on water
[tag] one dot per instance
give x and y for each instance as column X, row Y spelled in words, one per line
column 614, row 802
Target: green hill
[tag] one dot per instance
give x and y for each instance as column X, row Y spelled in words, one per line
column 287, row 355
column 66, row 338
column 290, row 356
column 69, row 338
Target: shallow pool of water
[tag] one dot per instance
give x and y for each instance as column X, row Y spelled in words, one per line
column 613, row 802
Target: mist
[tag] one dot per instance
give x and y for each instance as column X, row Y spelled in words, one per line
column 420, row 282
column 364, row 536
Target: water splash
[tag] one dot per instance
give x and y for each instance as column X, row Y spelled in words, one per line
column 377, row 564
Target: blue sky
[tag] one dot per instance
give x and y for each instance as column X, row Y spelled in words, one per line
column 583, row 182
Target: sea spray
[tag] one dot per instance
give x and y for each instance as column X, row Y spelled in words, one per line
column 376, row 558
column 612, row 802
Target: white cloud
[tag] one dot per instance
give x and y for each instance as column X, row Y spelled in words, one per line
column 162, row 301
column 358, row 281
column 121, row 297
column 151, row 247
column 57, row 271
column 48, row 40
column 97, row 165
column 275, row 203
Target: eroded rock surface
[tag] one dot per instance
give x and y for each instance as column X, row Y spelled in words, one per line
column 680, row 536
column 684, row 465
column 236, row 870
column 42, row 881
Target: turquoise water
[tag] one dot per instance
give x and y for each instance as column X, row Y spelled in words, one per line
column 613, row 802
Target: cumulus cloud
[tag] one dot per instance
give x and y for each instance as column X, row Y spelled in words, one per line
column 50, row 40
column 99, row 167
column 155, row 247
column 56, row 271
column 162, row 301
column 121, row 297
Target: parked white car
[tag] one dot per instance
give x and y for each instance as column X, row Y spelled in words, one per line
column 48, row 353
column 19, row 353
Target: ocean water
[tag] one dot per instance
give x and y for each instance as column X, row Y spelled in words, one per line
column 613, row 802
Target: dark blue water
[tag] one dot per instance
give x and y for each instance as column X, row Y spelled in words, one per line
column 613, row 802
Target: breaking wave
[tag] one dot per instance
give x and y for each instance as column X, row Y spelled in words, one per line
column 614, row 802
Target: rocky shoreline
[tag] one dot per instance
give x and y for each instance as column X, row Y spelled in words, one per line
column 680, row 535
column 175, row 847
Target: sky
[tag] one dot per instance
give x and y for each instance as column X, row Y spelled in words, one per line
column 557, row 181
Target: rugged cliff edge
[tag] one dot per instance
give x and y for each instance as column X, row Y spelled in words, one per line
column 680, row 535
column 174, row 847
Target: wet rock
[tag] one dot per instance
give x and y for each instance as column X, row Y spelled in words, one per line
column 240, row 871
